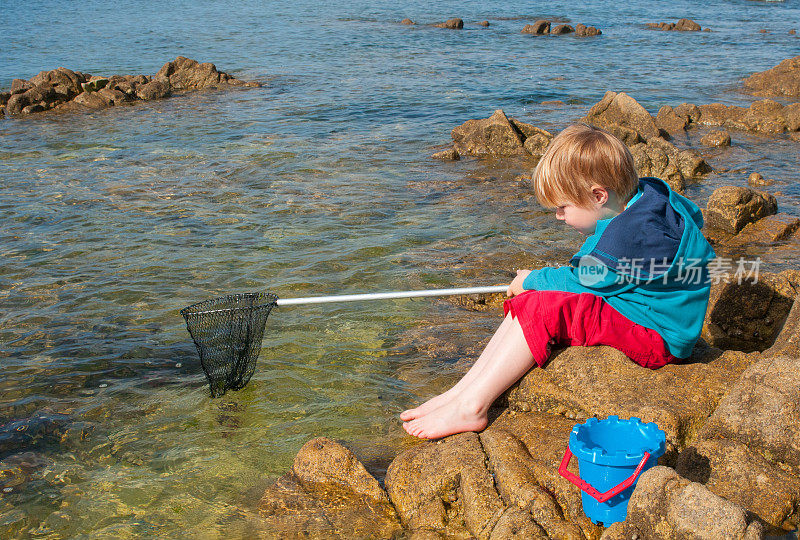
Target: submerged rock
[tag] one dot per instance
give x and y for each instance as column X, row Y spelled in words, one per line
column 581, row 30
column 683, row 25
column 561, row 29
column 781, row 80
column 452, row 24
column 540, row 27
column 716, row 139
column 328, row 493
column 407, row 22
column 64, row 89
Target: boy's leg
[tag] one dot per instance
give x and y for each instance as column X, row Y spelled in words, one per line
column 467, row 410
column 441, row 399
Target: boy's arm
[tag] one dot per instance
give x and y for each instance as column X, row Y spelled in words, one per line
column 598, row 279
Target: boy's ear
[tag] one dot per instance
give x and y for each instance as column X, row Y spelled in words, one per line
column 600, row 194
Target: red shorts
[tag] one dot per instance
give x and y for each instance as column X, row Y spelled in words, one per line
column 561, row 318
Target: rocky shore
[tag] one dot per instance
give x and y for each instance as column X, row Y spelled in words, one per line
column 62, row 89
column 731, row 412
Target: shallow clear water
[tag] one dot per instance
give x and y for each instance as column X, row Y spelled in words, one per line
column 317, row 183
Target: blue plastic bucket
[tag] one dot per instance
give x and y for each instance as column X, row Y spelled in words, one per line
column 611, row 453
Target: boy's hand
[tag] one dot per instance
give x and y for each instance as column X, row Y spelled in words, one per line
column 516, row 286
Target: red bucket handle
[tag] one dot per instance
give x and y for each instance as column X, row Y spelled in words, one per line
column 585, row 486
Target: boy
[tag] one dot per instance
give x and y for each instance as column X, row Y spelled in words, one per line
column 638, row 284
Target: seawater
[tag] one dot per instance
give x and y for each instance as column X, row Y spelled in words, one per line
column 317, row 183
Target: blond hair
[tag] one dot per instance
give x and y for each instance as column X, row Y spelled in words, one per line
column 579, row 157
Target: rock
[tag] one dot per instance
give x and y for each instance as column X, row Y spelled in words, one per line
column 328, row 494
column 687, row 25
column 186, row 74
column 791, row 115
column 94, row 84
column 485, row 24
column 765, row 231
column 536, row 139
column 619, row 109
column 407, row 21
column 452, row 24
column 749, row 449
column 538, row 28
column 562, row 29
column 4, row 97
column 669, row 121
column 665, row 506
column 781, row 80
column 747, row 309
column 716, row 138
column 445, row 486
column 730, row 208
column 664, row 160
column 495, row 136
column 451, row 154
column 581, row 30
column 581, row 382
column 20, row 86
column 756, row 179
column 683, row 25
column 91, row 100
column 792, row 32
column 112, row 97
column 152, row 90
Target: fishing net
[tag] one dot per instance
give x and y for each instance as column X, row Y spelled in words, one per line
column 228, row 331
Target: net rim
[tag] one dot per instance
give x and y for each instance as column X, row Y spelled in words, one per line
column 270, row 301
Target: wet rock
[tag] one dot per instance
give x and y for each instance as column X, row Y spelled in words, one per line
column 668, row 120
column 562, row 29
column 716, row 138
column 495, row 136
column 749, row 449
column 94, row 84
column 619, row 109
column 765, row 231
column 683, row 25
column 4, row 97
column 41, row 428
column 665, row 506
column 91, row 100
column 186, row 74
column 781, row 80
column 730, row 208
column 65, row 82
column 451, row 154
column 765, row 116
column 481, row 302
column 452, row 24
column 664, row 160
column 485, row 24
column 747, row 309
column 445, row 486
column 581, row 30
column 540, row 27
column 407, row 22
column 581, row 382
column 757, row 180
column 536, row 139
column 328, row 494
column 152, row 90
column 20, row 86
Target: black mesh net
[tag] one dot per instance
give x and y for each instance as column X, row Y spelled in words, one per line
column 228, row 331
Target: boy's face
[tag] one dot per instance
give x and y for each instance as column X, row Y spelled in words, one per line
column 604, row 204
column 584, row 220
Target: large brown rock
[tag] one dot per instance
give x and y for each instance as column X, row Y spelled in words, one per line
column 687, row 25
column 445, row 486
column 747, row 309
column 186, row 74
column 538, row 28
column 580, row 382
column 493, row 136
column 65, row 82
column 730, row 208
column 665, row 506
column 452, row 24
column 749, row 449
column 781, row 80
column 664, row 160
column 670, row 121
column 152, row 90
column 536, row 139
column 328, row 494
column 619, row 109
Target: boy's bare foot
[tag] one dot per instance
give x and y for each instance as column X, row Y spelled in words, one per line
column 430, row 405
column 452, row 417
